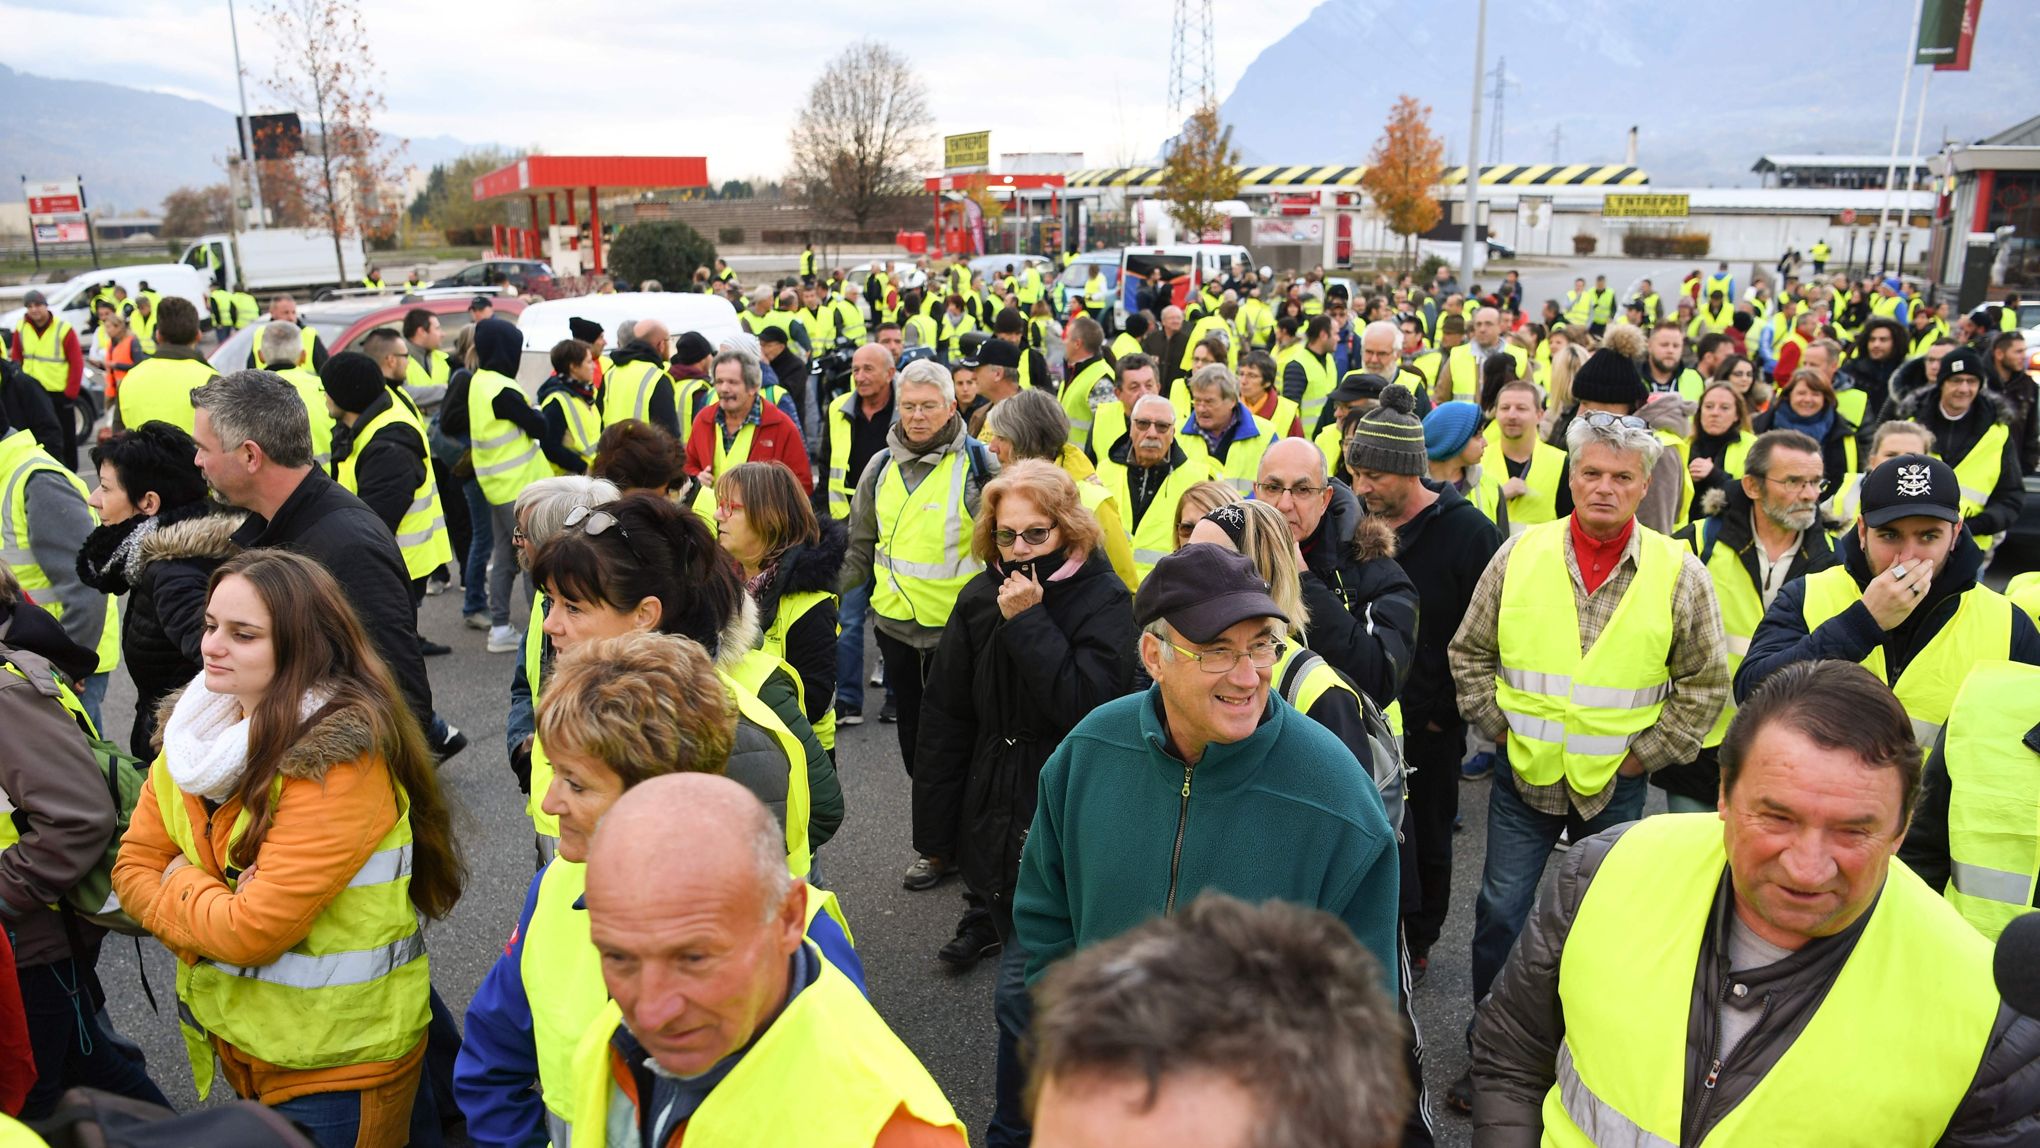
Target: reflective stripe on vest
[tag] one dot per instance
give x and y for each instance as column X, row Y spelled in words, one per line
column 1076, row 400
column 421, row 532
column 312, row 392
column 1242, row 463
column 756, row 667
column 1993, row 795
column 627, row 392
column 1465, row 376
column 544, row 823
column 1626, row 990
column 1742, row 607
column 841, row 483
column 506, row 459
column 583, row 420
column 1980, row 631
column 1539, row 504
column 1977, row 473
column 1572, row 716
column 792, row 608
column 21, row 459
column 923, row 558
column 827, row 1052
column 1317, row 387
column 42, row 355
column 352, row 991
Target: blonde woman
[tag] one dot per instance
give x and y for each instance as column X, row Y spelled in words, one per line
column 1198, row 501
column 1566, row 362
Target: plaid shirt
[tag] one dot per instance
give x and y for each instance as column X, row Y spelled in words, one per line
column 1699, row 666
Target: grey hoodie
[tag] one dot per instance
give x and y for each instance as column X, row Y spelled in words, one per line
column 1659, row 509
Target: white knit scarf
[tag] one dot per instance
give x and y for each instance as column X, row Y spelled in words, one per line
column 205, row 742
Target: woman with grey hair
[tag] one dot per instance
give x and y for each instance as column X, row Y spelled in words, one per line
column 1032, row 424
column 542, row 510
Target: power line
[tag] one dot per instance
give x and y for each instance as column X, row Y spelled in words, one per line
column 1192, row 62
column 1502, row 84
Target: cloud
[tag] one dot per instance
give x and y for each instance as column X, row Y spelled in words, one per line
column 708, row 77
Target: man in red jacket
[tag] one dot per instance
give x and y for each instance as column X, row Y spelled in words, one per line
column 741, row 427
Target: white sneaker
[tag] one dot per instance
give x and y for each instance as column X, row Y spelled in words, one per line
column 504, row 640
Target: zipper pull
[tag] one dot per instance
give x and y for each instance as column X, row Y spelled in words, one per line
column 1186, row 785
column 1713, row 1075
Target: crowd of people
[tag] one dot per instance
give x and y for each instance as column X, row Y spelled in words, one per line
column 1191, row 620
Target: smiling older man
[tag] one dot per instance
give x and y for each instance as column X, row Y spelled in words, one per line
column 1755, row 975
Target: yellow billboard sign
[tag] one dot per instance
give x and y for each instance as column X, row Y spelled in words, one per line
column 1637, row 205
column 971, row 151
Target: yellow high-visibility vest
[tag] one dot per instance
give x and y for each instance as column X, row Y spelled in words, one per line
column 506, row 459
column 159, row 390
column 421, row 533
column 1537, row 505
column 21, row 459
column 1993, row 795
column 1572, row 716
column 42, row 355
column 1980, row 631
column 1076, row 399
column 1625, row 988
column 922, row 560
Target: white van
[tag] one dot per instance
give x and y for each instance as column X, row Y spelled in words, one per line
column 545, row 324
column 72, row 299
column 278, row 259
column 1185, row 268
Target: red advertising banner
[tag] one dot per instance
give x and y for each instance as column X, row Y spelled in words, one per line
column 54, row 197
column 1966, row 39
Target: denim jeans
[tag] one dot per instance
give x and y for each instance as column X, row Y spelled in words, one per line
column 92, row 695
column 850, row 615
column 334, row 1118
column 1013, row 1010
column 481, row 542
column 71, row 1047
column 1519, row 842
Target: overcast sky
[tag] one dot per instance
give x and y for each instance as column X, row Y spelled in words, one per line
column 714, row 78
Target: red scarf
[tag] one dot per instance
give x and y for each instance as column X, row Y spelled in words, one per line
column 1597, row 559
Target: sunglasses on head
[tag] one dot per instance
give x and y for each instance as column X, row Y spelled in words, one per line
column 1602, row 419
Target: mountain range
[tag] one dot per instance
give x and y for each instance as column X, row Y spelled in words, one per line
column 1709, row 86
column 133, row 147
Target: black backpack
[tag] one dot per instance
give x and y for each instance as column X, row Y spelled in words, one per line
column 1384, row 746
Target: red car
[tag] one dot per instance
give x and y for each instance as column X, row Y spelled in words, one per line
column 343, row 324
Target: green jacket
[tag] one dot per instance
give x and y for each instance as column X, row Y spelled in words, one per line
column 1288, row 813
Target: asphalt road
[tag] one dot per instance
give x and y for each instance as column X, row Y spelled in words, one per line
column 945, row 1017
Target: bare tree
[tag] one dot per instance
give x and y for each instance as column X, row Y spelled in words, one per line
column 863, row 135
column 324, row 70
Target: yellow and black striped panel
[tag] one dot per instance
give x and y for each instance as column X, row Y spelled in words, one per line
column 1281, row 176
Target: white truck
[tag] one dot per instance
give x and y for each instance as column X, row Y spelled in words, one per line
column 278, row 259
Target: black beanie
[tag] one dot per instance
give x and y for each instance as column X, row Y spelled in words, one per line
column 352, row 381
column 691, row 349
column 1608, row 377
column 586, row 330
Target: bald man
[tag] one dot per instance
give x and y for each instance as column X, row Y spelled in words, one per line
column 637, row 384
column 751, row 1036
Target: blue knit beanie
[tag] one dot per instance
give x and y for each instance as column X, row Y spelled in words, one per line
column 1448, row 427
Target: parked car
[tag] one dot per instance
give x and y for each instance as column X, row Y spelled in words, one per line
column 71, row 300
column 529, row 276
column 905, row 276
column 344, row 324
column 992, row 266
column 545, row 324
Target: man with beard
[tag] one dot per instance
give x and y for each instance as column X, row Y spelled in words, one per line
column 1663, row 371
column 1968, row 422
column 1148, row 473
column 892, row 541
column 1879, row 351
column 1904, row 599
column 1761, row 537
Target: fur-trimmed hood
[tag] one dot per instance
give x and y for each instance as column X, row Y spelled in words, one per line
column 739, row 637
column 206, row 536
column 1373, row 538
column 343, row 732
column 804, row 569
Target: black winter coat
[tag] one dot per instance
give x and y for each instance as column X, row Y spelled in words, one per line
column 321, row 520
column 165, row 586
column 1000, row 697
column 811, row 642
column 1363, row 608
column 1443, row 550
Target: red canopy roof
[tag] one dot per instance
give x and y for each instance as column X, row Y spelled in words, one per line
column 543, row 173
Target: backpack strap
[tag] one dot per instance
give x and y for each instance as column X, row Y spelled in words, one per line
column 1299, row 667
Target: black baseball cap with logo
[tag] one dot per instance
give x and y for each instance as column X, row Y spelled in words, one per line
column 1911, row 485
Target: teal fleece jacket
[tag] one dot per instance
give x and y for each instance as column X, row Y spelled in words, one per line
column 1287, row 814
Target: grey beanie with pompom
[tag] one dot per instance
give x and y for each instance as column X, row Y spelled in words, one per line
column 1389, row 439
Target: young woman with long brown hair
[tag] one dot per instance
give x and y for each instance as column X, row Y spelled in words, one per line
column 287, row 847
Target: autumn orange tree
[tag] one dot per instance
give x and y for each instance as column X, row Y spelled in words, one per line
column 1406, row 164
column 325, row 72
column 1200, row 172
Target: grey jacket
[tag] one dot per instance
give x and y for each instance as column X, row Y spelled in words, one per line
column 1659, row 509
column 1518, row 1027
column 864, row 524
column 60, row 806
column 58, row 521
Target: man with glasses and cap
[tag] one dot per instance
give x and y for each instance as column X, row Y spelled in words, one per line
column 1586, row 692
column 1141, row 805
column 1905, row 600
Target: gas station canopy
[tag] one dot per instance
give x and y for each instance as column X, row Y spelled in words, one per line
column 553, row 175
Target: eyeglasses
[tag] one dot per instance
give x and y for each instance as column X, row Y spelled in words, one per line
column 1797, row 485
column 1260, row 655
column 1603, row 420
column 724, row 509
column 1273, row 491
column 921, row 408
column 1152, row 424
column 1035, row 535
